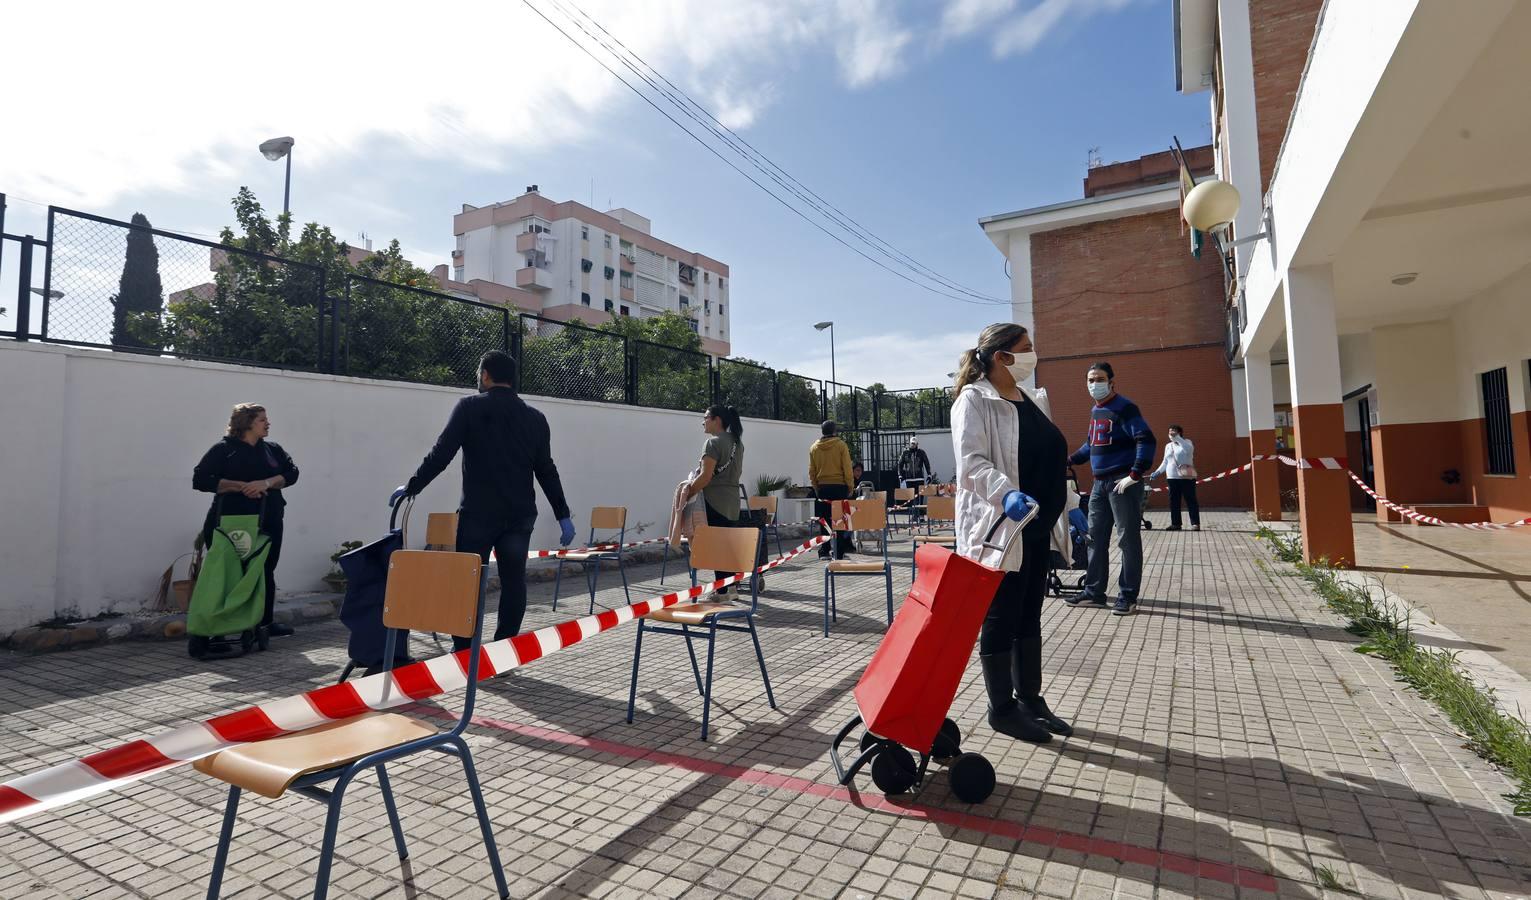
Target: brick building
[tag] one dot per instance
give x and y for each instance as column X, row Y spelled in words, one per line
column 1111, row 277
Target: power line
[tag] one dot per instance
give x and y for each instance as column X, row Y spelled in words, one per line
column 726, row 161
column 744, row 148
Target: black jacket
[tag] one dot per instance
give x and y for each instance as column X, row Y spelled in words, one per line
column 913, row 463
column 504, row 443
column 235, row 460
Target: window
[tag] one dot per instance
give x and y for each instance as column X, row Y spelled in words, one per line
column 531, row 261
column 720, row 310
column 1499, row 439
column 584, row 232
column 609, row 307
column 722, row 282
column 457, row 274
column 692, row 323
column 626, row 279
column 584, row 298
column 608, row 242
column 685, row 302
column 706, row 278
column 610, row 273
column 586, row 265
column 625, row 310
column 687, row 274
column 706, row 305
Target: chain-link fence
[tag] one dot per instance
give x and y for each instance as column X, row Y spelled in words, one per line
column 407, row 334
column 749, row 388
column 916, row 409
column 669, row 377
column 128, row 286
column 561, row 359
column 801, row 399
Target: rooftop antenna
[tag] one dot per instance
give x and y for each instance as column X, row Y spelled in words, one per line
column 366, row 242
column 1093, row 159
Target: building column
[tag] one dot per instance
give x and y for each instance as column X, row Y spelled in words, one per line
column 1022, row 308
column 1318, row 414
column 1264, row 476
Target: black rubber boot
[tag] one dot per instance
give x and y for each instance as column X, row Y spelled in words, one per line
column 1006, row 715
column 1026, row 670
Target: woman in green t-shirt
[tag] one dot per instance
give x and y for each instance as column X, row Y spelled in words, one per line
column 722, row 462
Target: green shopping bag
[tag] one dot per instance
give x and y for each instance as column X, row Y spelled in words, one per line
column 230, row 596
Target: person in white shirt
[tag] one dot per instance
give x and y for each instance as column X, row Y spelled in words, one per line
column 1179, row 470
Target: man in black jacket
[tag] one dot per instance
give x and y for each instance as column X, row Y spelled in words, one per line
column 504, row 443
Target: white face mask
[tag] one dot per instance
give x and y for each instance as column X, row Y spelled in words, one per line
column 1100, row 390
column 1024, row 365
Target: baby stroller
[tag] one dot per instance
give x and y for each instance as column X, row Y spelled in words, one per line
column 1078, row 558
column 229, row 600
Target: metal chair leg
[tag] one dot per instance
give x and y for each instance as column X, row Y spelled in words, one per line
column 592, row 578
column 760, row 655
column 826, row 602
column 712, row 638
column 225, row 837
column 834, row 600
column 327, row 849
column 626, row 591
column 664, row 562
column 483, row 818
column 393, row 812
column 888, row 570
column 557, row 582
column 632, row 690
column 695, row 672
column 777, row 531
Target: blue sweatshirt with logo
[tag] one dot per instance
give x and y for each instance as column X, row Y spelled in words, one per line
column 1119, row 441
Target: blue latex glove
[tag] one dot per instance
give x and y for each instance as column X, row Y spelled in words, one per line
column 1017, row 504
column 399, row 493
column 566, row 532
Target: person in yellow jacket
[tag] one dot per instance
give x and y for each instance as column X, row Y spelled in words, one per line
column 829, row 471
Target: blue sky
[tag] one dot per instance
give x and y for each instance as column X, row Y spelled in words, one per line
column 916, row 118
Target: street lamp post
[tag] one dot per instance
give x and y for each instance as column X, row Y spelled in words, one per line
column 275, row 149
column 831, row 326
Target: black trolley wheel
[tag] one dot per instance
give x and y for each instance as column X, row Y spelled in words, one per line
column 948, row 741
column 893, row 769
column 972, row 778
column 246, row 641
column 196, row 646
column 263, row 637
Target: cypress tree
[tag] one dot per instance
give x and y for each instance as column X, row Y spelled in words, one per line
column 139, row 291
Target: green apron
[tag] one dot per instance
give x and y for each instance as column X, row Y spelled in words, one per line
column 230, row 596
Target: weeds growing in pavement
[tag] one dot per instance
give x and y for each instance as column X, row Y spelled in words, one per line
column 1385, row 632
column 1329, row 881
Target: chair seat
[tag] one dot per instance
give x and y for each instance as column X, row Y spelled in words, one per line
column 945, row 540
column 694, row 613
column 586, row 556
column 270, row 767
column 852, row 566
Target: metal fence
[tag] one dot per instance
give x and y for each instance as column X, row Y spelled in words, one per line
column 563, row 359
column 127, row 286
column 406, row 333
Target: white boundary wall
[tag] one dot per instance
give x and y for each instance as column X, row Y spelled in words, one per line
column 97, row 449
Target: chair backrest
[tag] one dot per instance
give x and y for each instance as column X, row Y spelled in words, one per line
column 724, row 549
column 865, row 515
column 766, row 503
column 441, row 531
column 609, row 517
column 432, row 590
column 929, row 490
column 903, row 495
column 943, row 509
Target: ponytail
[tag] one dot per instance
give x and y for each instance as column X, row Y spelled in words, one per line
column 975, row 363
column 730, row 419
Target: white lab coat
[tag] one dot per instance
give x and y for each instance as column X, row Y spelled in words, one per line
column 986, row 439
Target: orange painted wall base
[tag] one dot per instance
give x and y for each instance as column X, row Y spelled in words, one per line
column 1324, row 494
column 1265, row 477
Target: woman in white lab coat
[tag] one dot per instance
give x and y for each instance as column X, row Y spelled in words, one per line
column 1010, row 458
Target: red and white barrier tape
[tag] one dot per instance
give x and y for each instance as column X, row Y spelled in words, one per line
column 1312, row 462
column 109, row 769
column 1432, row 520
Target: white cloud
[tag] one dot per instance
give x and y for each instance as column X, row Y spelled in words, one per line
column 963, row 17
column 176, row 97
column 1025, row 31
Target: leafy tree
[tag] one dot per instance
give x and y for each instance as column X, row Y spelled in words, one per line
column 748, row 386
column 139, row 291
column 669, row 368
column 265, row 311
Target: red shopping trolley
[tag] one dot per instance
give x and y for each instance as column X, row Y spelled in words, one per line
column 908, row 687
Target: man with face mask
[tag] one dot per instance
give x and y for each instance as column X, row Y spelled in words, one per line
column 1120, row 448
column 913, row 464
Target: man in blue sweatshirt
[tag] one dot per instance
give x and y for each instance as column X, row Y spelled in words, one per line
column 1120, row 448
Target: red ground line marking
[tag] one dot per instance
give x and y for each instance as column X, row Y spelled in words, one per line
column 1226, row 873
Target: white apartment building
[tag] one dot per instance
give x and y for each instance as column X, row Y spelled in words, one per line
column 568, row 262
